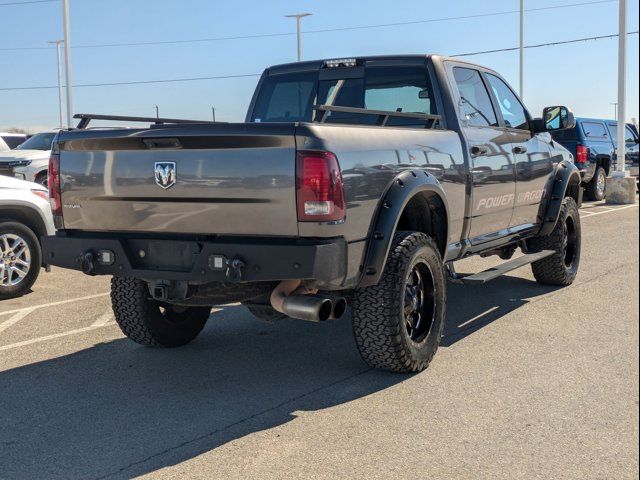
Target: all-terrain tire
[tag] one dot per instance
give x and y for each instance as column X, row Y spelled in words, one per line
column 378, row 314
column 149, row 322
column 560, row 268
column 592, row 190
column 29, row 249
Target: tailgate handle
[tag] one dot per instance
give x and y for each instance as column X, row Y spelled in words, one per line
column 162, row 142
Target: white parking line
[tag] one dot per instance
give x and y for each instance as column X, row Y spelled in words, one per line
column 51, row 337
column 613, row 210
column 15, row 319
column 53, row 304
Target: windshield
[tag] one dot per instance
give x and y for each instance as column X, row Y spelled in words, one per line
column 40, row 141
column 290, row 97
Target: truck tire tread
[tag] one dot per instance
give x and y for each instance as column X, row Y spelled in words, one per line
column 140, row 318
column 552, row 270
column 378, row 333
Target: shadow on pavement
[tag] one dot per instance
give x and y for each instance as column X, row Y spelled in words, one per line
column 470, row 308
column 120, row 410
column 123, row 410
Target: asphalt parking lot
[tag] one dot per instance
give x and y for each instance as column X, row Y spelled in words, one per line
column 530, row 382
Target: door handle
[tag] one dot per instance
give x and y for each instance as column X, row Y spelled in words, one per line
column 519, row 149
column 477, row 150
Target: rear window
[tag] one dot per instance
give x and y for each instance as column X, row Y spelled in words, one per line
column 594, row 129
column 40, row 141
column 291, row 97
column 13, row 141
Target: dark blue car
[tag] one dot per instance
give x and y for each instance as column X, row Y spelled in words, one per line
column 593, row 143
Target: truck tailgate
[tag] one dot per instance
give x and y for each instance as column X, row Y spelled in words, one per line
column 212, row 179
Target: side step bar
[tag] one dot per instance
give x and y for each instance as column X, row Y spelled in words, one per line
column 495, row 272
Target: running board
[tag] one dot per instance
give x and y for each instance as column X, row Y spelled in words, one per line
column 495, row 272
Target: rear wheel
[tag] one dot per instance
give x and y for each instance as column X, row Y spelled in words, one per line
column 560, row 268
column 397, row 324
column 20, row 259
column 597, row 187
column 152, row 323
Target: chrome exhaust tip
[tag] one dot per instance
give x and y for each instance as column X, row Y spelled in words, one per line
column 339, row 308
column 308, row 307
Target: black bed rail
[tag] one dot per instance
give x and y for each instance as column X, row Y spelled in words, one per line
column 86, row 118
column 383, row 115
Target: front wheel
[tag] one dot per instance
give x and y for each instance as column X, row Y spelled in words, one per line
column 560, row 268
column 397, row 324
column 152, row 323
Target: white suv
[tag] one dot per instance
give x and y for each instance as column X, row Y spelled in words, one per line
column 30, row 160
column 25, row 216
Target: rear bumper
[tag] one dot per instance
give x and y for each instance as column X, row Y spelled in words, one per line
column 194, row 261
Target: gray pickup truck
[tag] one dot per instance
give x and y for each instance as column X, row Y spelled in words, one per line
column 352, row 183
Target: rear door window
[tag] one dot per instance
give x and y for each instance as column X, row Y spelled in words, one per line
column 475, row 104
column 594, row 130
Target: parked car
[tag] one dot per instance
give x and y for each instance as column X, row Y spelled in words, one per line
column 25, row 217
column 30, row 160
column 325, row 195
column 3, row 146
column 13, row 139
column 593, row 144
column 631, row 142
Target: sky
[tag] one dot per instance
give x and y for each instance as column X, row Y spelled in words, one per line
column 581, row 75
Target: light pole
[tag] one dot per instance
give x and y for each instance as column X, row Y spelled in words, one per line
column 522, row 49
column 67, row 59
column 621, row 187
column 157, row 111
column 59, row 60
column 213, row 113
column 298, row 17
column 615, row 109
column 622, row 74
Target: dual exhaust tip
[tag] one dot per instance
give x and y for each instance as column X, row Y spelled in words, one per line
column 314, row 308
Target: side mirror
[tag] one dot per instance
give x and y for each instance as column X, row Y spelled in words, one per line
column 558, row 118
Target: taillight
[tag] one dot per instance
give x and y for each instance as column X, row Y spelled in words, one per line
column 55, row 199
column 320, row 194
column 582, row 154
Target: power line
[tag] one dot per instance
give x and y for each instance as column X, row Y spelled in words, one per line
column 140, row 82
column 246, row 75
column 552, row 44
column 325, row 30
column 26, row 3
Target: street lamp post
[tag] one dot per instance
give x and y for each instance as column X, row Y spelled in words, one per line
column 67, row 59
column 521, row 49
column 621, row 187
column 57, row 43
column 622, row 74
column 298, row 17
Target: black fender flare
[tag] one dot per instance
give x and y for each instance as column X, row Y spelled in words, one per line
column 567, row 176
column 403, row 188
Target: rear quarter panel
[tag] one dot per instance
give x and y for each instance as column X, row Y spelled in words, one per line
column 371, row 157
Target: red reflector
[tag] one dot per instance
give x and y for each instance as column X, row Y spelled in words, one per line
column 582, row 154
column 320, row 195
column 55, row 199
